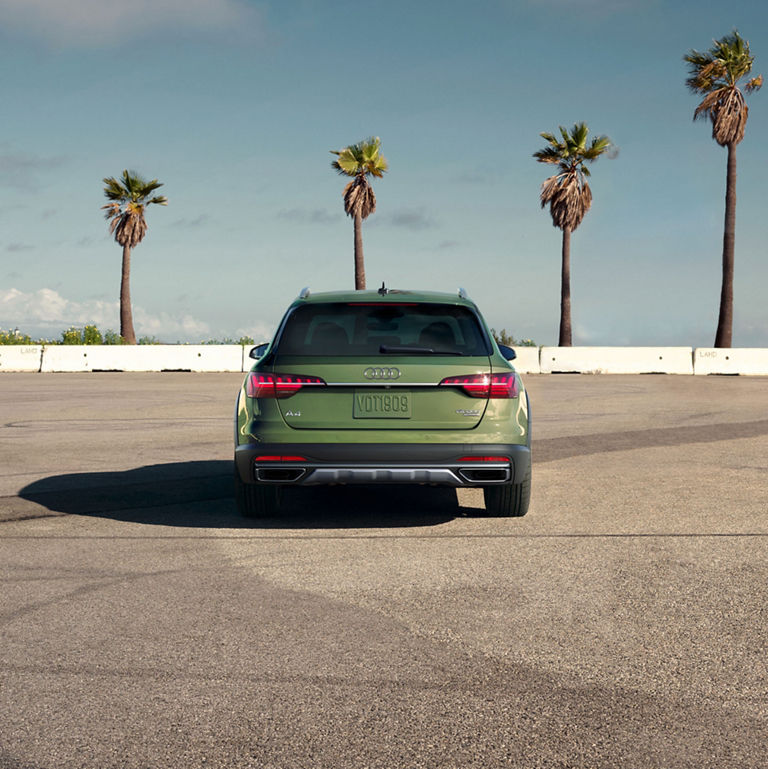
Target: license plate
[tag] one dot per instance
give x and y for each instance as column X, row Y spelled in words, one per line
column 390, row 404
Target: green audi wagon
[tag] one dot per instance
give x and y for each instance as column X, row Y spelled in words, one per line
column 382, row 387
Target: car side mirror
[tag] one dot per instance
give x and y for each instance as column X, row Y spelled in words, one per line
column 507, row 352
column 258, row 351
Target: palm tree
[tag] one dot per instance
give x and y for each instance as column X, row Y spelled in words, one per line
column 569, row 198
column 716, row 74
column 360, row 161
column 129, row 197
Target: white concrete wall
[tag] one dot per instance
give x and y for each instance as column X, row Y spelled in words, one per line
column 530, row 360
column 149, row 357
column 527, row 360
column 617, row 360
column 20, row 357
column 736, row 360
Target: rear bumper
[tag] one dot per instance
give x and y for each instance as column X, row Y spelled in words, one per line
column 372, row 463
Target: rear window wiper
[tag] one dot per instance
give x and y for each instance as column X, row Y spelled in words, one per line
column 405, row 349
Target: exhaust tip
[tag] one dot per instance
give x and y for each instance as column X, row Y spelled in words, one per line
column 279, row 474
column 484, row 475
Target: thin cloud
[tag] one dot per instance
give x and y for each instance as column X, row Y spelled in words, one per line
column 595, row 6
column 410, row 219
column 197, row 221
column 46, row 312
column 21, row 170
column 259, row 332
column 307, row 215
column 17, row 248
column 95, row 23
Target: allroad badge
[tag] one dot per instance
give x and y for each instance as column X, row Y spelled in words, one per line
column 381, row 372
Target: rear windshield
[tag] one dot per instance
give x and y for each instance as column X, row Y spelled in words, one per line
column 382, row 329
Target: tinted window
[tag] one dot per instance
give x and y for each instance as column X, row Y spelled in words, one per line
column 370, row 329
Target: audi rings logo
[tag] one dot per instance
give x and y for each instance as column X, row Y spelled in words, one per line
column 377, row 372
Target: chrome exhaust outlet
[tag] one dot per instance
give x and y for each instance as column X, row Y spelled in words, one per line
column 279, row 474
column 484, row 474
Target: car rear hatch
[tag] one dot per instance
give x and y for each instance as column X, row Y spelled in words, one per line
column 392, row 394
column 383, row 365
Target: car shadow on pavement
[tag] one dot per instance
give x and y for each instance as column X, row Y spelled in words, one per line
column 200, row 494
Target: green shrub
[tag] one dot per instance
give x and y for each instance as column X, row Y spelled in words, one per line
column 244, row 340
column 72, row 335
column 14, row 337
column 112, row 337
column 502, row 337
column 90, row 334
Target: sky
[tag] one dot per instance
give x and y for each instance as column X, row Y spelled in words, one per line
column 234, row 105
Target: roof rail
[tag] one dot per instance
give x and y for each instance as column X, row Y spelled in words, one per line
column 463, row 293
column 304, row 293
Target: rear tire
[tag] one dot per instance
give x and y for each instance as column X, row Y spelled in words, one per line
column 255, row 500
column 508, row 501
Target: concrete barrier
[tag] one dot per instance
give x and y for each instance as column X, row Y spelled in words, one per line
column 737, row 360
column 530, row 360
column 616, row 360
column 20, row 357
column 527, row 360
column 150, row 357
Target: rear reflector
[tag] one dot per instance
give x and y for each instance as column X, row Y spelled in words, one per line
column 486, row 385
column 483, row 459
column 276, row 458
column 260, row 385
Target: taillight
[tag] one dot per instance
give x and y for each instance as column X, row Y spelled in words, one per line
column 278, row 458
column 483, row 459
column 485, row 385
column 260, row 385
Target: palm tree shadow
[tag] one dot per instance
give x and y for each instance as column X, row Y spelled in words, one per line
column 200, row 494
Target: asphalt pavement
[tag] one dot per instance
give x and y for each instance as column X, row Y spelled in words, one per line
column 621, row 623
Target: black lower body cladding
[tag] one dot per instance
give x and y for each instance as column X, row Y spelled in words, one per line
column 451, row 464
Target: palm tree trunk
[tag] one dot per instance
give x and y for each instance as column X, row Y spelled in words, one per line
column 359, row 262
column 724, row 335
column 565, row 292
column 126, row 315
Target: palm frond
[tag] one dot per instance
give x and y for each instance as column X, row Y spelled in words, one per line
column 363, row 158
column 567, row 192
column 113, row 189
column 347, row 163
column 728, row 111
column 129, row 198
column 729, row 118
column 715, row 74
column 112, row 210
column 548, row 155
column 569, row 198
column 579, row 134
column 359, row 198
